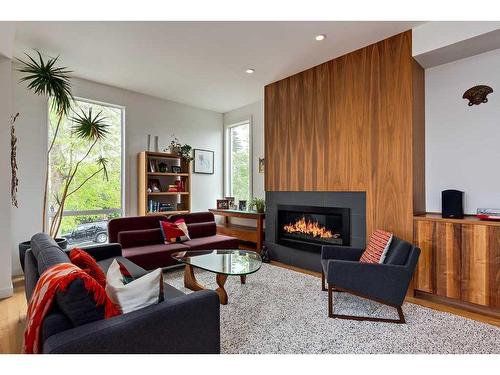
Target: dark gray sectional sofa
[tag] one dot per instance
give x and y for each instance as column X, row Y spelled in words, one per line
column 181, row 324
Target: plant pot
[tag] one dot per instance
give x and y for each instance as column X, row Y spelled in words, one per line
column 26, row 245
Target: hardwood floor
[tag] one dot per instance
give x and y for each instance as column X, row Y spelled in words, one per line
column 12, row 318
column 13, row 313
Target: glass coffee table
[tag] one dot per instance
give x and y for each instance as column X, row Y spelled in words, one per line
column 223, row 263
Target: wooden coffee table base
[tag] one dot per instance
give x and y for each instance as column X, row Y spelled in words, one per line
column 190, row 282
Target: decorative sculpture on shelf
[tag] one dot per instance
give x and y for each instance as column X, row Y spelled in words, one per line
column 477, row 94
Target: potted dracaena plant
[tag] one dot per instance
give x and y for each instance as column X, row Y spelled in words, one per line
column 45, row 78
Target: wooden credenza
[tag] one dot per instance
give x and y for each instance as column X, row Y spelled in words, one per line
column 460, row 261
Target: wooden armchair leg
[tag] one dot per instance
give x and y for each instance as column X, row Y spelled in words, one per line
column 323, row 287
column 399, row 309
column 330, row 301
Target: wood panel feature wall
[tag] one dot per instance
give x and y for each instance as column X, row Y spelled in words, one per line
column 350, row 125
column 460, row 260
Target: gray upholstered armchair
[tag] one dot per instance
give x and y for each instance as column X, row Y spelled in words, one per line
column 385, row 283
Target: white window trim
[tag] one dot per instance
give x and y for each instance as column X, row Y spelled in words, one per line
column 122, row 167
column 227, row 155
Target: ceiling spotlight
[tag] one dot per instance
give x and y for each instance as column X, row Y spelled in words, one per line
column 250, row 71
column 320, row 37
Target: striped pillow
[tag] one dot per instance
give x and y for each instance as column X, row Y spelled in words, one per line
column 377, row 247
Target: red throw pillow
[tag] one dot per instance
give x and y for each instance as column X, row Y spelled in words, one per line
column 86, row 262
column 377, row 247
column 174, row 232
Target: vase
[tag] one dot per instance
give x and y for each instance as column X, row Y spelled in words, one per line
column 149, row 142
column 157, row 147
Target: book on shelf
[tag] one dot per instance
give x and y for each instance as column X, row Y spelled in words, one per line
column 155, row 206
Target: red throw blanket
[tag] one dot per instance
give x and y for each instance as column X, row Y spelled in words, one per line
column 55, row 279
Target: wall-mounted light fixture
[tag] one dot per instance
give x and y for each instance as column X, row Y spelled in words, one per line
column 477, row 94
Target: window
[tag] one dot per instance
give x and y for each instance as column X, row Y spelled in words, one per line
column 238, row 161
column 88, row 210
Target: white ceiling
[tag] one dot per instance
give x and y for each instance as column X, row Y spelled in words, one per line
column 197, row 63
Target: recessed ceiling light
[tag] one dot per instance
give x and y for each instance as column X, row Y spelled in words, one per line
column 320, row 37
column 250, row 71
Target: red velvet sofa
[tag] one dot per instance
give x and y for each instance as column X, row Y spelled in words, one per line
column 142, row 241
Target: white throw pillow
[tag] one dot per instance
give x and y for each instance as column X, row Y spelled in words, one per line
column 138, row 293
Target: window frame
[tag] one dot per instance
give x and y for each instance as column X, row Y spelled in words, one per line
column 227, row 156
column 121, row 209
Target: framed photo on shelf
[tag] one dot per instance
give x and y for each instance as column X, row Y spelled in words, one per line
column 222, row 204
column 242, row 205
column 203, row 161
column 175, row 169
column 154, row 185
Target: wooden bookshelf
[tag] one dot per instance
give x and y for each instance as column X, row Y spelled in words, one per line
column 148, row 170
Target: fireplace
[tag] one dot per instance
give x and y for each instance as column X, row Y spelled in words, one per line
column 309, row 227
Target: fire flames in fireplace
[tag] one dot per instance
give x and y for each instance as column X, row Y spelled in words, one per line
column 309, row 228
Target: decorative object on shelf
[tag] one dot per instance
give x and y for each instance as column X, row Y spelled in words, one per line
column 261, row 165
column 149, row 142
column 258, row 204
column 488, row 214
column 13, row 161
column 165, row 207
column 175, row 169
column 157, row 143
column 174, row 188
column 242, row 205
column 181, row 186
column 154, row 185
column 231, row 202
column 203, row 161
column 180, row 207
column 222, row 204
column 162, row 167
column 183, row 150
column 152, row 166
column 477, row 94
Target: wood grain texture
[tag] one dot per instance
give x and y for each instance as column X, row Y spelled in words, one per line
column 348, row 125
column 459, row 260
column 424, row 274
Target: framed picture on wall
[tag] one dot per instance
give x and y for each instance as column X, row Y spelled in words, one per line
column 203, row 161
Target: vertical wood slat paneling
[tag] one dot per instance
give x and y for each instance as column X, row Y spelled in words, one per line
column 475, row 264
column 347, row 125
column 459, row 261
column 448, row 249
column 494, row 266
column 424, row 239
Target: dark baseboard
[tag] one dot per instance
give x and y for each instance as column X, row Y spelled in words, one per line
column 484, row 310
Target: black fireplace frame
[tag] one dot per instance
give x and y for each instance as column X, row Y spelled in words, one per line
column 312, row 246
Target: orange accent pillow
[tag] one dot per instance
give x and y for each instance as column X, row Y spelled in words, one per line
column 86, row 262
column 377, row 248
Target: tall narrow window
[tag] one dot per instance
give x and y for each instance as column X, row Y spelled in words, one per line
column 95, row 196
column 238, row 157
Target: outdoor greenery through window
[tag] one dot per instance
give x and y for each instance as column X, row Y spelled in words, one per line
column 239, row 161
column 96, row 193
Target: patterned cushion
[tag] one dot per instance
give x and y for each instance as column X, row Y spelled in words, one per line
column 126, row 275
column 138, row 293
column 377, row 247
column 87, row 263
column 174, row 232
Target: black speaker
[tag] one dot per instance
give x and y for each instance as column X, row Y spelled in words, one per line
column 452, row 202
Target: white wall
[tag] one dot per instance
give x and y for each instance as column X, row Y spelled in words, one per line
column 144, row 115
column 5, row 211
column 255, row 113
column 462, row 142
column 438, row 34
